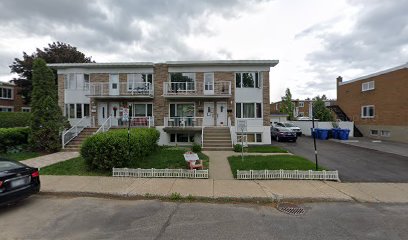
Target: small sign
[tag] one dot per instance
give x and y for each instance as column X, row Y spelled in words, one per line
column 242, row 125
column 125, row 114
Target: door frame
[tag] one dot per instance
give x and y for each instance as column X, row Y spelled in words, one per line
column 211, row 91
column 112, row 81
column 210, row 123
column 101, row 119
column 225, row 122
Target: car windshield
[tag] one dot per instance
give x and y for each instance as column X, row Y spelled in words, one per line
column 7, row 165
column 289, row 125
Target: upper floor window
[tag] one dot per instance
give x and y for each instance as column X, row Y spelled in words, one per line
column 6, row 93
column 301, row 104
column 182, row 77
column 367, row 111
column 182, row 110
column 76, row 81
column 248, row 110
column 248, row 80
column 367, row 86
column 137, row 80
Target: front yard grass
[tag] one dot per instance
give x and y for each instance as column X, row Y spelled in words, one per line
column 276, row 162
column 19, row 156
column 162, row 158
column 264, row 149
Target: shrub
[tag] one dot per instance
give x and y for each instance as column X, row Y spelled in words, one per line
column 13, row 137
column 111, row 149
column 196, row 148
column 237, row 148
column 14, row 119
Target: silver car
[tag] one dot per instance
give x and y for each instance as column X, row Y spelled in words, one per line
column 291, row 126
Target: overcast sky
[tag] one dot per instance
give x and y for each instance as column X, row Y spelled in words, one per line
column 314, row 40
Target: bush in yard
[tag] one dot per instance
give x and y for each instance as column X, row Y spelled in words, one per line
column 196, row 148
column 111, row 149
column 237, row 148
column 14, row 119
column 13, row 137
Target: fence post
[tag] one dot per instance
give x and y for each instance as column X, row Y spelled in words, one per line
column 280, row 173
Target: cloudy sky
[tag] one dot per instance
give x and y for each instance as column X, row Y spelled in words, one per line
column 314, row 40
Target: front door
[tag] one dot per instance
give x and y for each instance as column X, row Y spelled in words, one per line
column 208, row 83
column 222, row 114
column 114, row 113
column 208, row 114
column 114, row 84
column 102, row 112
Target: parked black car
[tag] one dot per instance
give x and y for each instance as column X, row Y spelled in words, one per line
column 17, row 181
column 282, row 134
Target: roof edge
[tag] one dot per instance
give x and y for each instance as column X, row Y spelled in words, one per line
column 375, row 74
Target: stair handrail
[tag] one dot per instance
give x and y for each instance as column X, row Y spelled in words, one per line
column 106, row 125
column 74, row 131
column 202, row 135
column 231, row 133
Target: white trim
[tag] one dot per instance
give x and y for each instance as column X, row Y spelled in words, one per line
column 367, row 106
column 26, row 108
column 376, row 74
column 182, row 103
column 9, row 107
column 12, row 92
column 365, row 86
column 242, row 111
column 371, row 132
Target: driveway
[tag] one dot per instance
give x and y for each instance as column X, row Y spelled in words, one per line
column 355, row 164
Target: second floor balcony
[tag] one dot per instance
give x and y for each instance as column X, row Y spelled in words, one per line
column 123, row 89
column 220, row 89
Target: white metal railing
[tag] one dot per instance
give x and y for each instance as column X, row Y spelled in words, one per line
column 124, row 89
column 288, row 174
column 138, row 122
column 74, row 131
column 106, row 125
column 196, row 89
column 159, row 173
column 183, row 122
column 232, row 135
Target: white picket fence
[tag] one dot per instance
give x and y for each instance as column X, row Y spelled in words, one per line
column 159, row 173
column 288, row 174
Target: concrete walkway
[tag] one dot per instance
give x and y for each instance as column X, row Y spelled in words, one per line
column 219, row 166
column 50, row 159
column 275, row 190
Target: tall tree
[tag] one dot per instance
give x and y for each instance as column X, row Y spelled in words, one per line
column 287, row 105
column 56, row 52
column 320, row 111
column 46, row 117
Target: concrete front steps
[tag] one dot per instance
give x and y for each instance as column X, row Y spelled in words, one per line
column 217, row 139
column 75, row 144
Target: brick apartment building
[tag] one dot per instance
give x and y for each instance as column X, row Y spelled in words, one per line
column 10, row 100
column 187, row 101
column 377, row 103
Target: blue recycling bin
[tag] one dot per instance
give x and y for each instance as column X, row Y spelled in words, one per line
column 323, row 134
column 344, row 134
column 335, row 133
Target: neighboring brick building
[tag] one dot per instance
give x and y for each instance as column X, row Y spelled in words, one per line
column 302, row 108
column 179, row 98
column 377, row 103
column 10, row 100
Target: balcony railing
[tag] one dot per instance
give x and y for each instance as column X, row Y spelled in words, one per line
column 123, row 89
column 222, row 88
column 137, row 122
column 183, row 122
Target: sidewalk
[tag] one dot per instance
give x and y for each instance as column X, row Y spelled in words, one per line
column 50, row 159
column 275, row 190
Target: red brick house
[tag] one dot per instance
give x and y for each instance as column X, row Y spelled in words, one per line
column 10, row 100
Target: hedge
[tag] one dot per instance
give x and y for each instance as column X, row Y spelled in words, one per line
column 14, row 119
column 111, row 149
column 13, row 137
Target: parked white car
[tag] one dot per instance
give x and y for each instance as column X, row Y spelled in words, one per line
column 291, row 126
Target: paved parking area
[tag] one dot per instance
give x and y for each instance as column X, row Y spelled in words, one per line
column 355, row 164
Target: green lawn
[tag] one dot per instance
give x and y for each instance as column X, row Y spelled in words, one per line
column 265, row 149
column 286, row 162
column 19, row 156
column 163, row 158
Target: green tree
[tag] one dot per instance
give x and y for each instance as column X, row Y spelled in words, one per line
column 320, row 111
column 55, row 53
column 46, row 118
column 287, row 106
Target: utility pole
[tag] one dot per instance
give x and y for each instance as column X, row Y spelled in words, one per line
column 314, row 138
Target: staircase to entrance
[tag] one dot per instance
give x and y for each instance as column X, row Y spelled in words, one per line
column 75, row 144
column 217, row 139
column 343, row 117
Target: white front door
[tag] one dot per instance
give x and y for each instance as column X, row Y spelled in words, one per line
column 114, row 113
column 208, row 83
column 209, row 114
column 222, row 114
column 102, row 112
column 114, row 84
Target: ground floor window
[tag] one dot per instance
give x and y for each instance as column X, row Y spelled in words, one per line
column 248, row 110
column 141, row 110
column 374, row 132
column 367, row 111
column 76, row 110
column 385, row 133
column 182, row 110
column 26, row 109
column 182, row 137
column 6, row 109
column 250, row 137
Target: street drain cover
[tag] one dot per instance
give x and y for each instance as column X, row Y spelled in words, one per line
column 291, row 209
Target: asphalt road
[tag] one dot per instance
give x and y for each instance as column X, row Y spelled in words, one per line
column 42, row 217
column 355, row 164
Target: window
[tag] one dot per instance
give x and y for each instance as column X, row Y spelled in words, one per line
column 141, row 110
column 248, row 110
column 86, row 110
column 250, row 137
column 182, row 137
column 301, row 114
column 367, row 86
column 71, row 111
column 77, row 110
column 374, row 132
column 182, row 110
column 6, row 93
column 247, row 80
column 137, row 81
column 301, row 104
column 86, row 81
column 26, row 109
column 6, row 109
column 76, row 81
column 367, row 111
column 182, row 81
column 277, row 107
column 385, row 133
